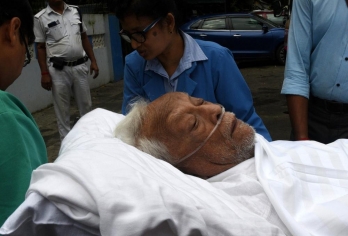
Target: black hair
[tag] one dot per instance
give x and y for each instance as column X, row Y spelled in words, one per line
column 22, row 10
column 144, row 8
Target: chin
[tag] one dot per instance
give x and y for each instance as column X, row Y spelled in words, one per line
column 147, row 57
column 245, row 144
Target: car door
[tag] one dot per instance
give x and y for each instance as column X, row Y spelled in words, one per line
column 249, row 39
column 213, row 29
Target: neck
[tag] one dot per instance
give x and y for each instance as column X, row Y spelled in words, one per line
column 57, row 6
column 170, row 58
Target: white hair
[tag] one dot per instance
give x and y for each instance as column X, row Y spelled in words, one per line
column 128, row 130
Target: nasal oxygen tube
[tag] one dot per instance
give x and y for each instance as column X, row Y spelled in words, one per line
column 202, row 144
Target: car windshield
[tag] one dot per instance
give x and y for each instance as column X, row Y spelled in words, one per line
column 266, row 20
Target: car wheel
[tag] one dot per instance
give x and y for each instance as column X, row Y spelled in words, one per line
column 281, row 54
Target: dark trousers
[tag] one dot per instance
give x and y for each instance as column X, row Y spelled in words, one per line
column 325, row 126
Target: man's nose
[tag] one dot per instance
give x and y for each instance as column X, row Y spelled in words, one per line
column 215, row 112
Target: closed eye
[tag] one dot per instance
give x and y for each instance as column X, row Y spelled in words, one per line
column 195, row 124
column 200, row 102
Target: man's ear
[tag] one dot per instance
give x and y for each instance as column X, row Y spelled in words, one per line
column 170, row 19
column 12, row 30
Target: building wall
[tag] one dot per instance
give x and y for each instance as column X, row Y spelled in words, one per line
column 28, row 86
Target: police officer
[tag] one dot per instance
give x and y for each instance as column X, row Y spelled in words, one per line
column 62, row 45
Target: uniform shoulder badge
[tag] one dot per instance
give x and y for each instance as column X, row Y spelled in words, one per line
column 40, row 13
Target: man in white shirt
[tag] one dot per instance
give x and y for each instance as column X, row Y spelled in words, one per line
column 62, row 45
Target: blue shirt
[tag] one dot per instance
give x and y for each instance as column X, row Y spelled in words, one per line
column 192, row 53
column 317, row 58
column 206, row 70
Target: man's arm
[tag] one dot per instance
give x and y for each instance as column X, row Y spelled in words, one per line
column 296, row 85
column 298, row 113
column 46, row 80
column 40, row 39
column 89, row 50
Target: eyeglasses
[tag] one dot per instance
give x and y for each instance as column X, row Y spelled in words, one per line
column 27, row 60
column 202, row 144
column 138, row 36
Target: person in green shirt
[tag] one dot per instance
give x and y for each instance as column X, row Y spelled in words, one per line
column 22, row 148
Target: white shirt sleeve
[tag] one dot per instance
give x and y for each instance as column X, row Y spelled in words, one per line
column 40, row 36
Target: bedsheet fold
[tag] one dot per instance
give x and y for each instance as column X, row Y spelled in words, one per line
column 307, row 183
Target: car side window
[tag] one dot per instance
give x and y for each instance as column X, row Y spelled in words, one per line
column 195, row 25
column 246, row 23
column 214, row 24
column 278, row 20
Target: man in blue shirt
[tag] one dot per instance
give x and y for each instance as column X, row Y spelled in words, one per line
column 316, row 70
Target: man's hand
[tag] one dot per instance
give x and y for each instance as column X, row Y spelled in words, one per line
column 89, row 51
column 46, row 81
column 94, row 67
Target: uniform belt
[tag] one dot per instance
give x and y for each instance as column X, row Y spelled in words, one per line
column 75, row 63
column 331, row 106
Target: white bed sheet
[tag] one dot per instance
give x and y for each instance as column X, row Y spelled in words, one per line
column 109, row 187
column 102, row 183
column 307, row 183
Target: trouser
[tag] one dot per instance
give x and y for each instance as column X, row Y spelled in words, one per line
column 325, row 126
column 71, row 80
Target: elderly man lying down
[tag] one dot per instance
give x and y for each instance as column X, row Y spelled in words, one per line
column 201, row 139
column 196, row 136
column 99, row 185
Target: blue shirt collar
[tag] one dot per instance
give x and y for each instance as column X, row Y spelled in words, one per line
column 192, row 53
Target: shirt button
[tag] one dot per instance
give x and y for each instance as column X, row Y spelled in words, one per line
column 346, row 58
column 338, row 85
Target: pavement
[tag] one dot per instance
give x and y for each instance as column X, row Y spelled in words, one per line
column 264, row 79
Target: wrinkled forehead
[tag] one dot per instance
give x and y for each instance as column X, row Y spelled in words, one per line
column 165, row 112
